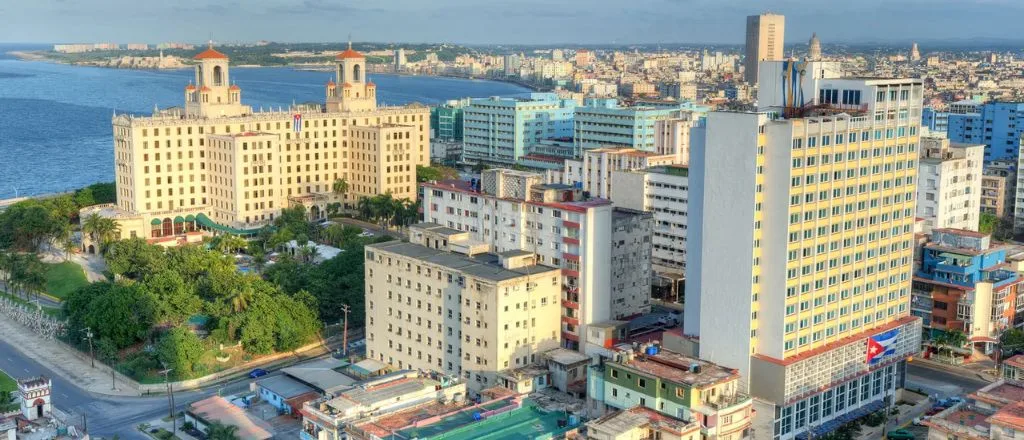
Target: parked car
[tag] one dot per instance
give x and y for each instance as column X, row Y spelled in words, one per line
column 899, row 434
column 934, row 411
column 366, row 233
column 257, row 372
column 919, row 421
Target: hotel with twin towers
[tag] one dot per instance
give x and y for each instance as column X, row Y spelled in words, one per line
column 216, row 165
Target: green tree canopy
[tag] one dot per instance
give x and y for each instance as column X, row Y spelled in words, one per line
column 135, row 259
column 180, row 349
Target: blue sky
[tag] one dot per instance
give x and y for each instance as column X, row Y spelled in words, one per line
column 509, row 21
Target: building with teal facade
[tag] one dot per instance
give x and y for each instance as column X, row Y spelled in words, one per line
column 604, row 122
column 500, row 130
column 446, row 120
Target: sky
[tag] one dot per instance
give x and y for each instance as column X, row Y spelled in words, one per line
column 501, row 21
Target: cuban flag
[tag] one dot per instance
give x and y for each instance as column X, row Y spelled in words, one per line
column 882, row 345
column 297, row 122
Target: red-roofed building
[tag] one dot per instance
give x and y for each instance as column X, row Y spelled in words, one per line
column 1013, row 368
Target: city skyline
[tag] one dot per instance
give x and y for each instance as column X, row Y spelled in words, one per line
column 524, row 22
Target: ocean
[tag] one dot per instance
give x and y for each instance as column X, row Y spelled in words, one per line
column 55, row 132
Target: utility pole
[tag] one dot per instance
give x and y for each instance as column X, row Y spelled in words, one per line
column 89, row 335
column 344, row 333
column 167, row 383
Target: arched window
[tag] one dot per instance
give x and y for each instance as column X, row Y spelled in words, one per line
column 199, row 76
column 357, row 73
column 218, row 76
column 341, row 76
column 168, row 227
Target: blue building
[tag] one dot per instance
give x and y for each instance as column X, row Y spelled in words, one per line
column 993, row 124
column 934, row 121
column 963, row 284
column 499, row 130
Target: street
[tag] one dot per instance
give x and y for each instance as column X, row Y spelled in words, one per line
column 938, row 381
column 106, row 415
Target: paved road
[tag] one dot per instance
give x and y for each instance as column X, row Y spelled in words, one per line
column 106, row 415
column 942, row 382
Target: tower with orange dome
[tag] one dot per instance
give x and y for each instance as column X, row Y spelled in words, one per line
column 213, row 95
column 353, row 92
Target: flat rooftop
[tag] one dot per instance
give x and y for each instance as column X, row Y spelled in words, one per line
column 1002, row 390
column 621, row 422
column 483, row 266
column 1010, row 416
column 525, row 423
column 675, row 367
column 437, row 229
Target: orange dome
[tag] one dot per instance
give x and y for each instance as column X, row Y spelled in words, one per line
column 204, row 89
column 330, row 84
column 190, row 87
column 370, row 84
column 210, row 53
column 347, row 85
column 234, row 87
column 349, row 54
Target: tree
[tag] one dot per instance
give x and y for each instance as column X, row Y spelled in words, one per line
column 180, row 349
column 174, row 300
column 220, row 431
column 1012, row 342
column 101, row 230
column 987, row 222
column 230, row 243
column 27, row 226
column 435, row 173
column 121, row 312
column 340, row 188
column 67, row 240
column 134, row 258
column 950, row 340
column 29, row 274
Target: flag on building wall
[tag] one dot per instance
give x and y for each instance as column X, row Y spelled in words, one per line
column 297, row 123
column 882, row 345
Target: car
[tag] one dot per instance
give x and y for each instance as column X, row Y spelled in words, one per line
column 919, row 421
column 366, row 233
column 899, row 434
column 933, row 411
column 257, row 372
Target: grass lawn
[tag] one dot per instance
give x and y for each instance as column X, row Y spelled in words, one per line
column 64, row 278
column 7, row 383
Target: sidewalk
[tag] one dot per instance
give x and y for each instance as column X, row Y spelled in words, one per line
column 60, row 359
column 982, row 370
column 907, row 415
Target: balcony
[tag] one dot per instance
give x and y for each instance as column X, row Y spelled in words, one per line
column 570, row 304
column 571, row 240
column 570, row 320
column 570, row 225
column 952, row 266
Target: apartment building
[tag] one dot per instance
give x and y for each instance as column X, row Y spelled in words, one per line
column 231, row 169
column 964, row 284
column 593, row 172
column 800, row 243
column 512, row 211
column 662, row 191
column 641, row 422
column 949, row 188
column 998, row 188
column 499, row 130
column 674, row 385
column 604, row 122
column 439, row 303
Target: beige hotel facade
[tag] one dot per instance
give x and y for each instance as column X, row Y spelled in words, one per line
column 216, row 165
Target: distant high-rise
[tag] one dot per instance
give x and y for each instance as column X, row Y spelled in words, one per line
column 400, row 59
column 915, row 54
column 765, row 34
column 814, row 48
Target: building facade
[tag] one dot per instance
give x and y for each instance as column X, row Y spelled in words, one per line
column 593, row 173
column 765, row 37
column 675, row 385
column 511, row 210
column 499, row 130
column 216, row 164
column 949, row 184
column 603, row 122
column 446, row 121
column 993, row 124
column 964, row 284
column 999, row 188
column 662, row 191
column 817, row 236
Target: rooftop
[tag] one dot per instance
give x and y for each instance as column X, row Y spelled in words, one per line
column 565, row 356
column 1000, row 392
column 1015, row 361
column 321, row 375
column 284, row 386
column 218, row 409
column 437, row 229
column 1010, row 416
column 675, row 367
column 622, row 422
column 483, row 266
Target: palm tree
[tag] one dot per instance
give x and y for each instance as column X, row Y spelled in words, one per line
column 259, row 260
column 308, row 253
column 365, row 208
column 220, row 431
column 340, row 187
column 231, row 243
column 67, row 240
column 6, row 268
column 101, row 230
column 240, row 298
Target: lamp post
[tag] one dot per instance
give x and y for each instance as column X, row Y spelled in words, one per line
column 344, row 337
column 170, row 399
column 89, row 335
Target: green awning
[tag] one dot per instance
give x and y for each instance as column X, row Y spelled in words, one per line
column 203, row 220
column 190, row 218
column 155, row 222
column 179, row 219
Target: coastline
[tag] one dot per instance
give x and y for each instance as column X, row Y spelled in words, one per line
column 34, row 56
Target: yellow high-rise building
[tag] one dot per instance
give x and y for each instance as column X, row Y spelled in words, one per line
column 215, row 164
column 800, row 244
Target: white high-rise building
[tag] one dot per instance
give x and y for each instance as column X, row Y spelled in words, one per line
column 604, row 252
column 800, row 244
column 949, row 184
